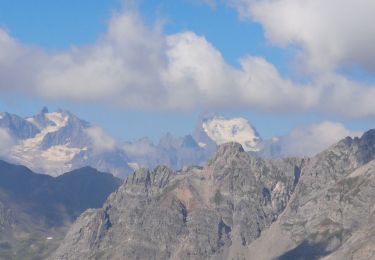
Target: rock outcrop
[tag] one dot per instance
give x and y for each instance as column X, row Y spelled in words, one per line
column 196, row 213
column 239, row 207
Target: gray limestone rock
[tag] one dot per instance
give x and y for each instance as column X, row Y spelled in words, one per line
column 239, row 207
column 196, row 213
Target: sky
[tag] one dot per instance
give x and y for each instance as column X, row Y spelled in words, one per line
column 144, row 68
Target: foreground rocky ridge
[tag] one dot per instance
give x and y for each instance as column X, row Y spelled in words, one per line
column 238, row 207
column 330, row 215
column 195, row 213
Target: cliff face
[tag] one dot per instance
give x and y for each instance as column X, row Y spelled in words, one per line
column 237, row 207
column 195, row 213
column 331, row 213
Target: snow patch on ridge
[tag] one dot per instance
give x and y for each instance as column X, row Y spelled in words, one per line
column 58, row 119
column 31, row 144
column 202, row 145
column 221, row 130
column 32, row 121
column 61, row 153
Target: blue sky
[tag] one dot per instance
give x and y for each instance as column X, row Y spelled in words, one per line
column 57, row 26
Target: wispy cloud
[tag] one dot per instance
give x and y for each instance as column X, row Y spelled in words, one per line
column 311, row 139
column 101, row 142
column 6, row 142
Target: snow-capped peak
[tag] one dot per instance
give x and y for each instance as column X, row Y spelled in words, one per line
column 55, row 158
column 222, row 130
column 46, row 119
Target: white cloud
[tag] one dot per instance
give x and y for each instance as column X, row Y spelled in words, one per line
column 19, row 65
column 340, row 95
column 123, row 66
column 135, row 66
column 197, row 75
column 312, row 139
column 331, row 34
column 6, row 142
column 100, row 140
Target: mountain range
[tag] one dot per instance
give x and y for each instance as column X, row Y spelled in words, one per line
column 238, row 204
column 238, row 207
column 57, row 142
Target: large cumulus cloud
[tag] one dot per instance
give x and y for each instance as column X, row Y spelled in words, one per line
column 329, row 34
column 140, row 67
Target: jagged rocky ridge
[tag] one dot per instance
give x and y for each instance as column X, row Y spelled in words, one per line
column 196, row 213
column 331, row 214
column 239, row 207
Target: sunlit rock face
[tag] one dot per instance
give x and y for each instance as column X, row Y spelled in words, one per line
column 236, row 206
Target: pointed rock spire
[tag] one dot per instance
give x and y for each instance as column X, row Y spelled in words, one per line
column 44, row 110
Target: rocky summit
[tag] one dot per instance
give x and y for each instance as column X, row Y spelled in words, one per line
column 196, row 213
column 239, row 207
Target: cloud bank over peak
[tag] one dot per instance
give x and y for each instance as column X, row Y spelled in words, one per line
column 100, row 140
column 137, row 66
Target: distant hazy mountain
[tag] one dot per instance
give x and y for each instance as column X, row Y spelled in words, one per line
column 175, row 152
column 195, row 149
column 36, row 209
column 56, row 142
column 239, row 207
